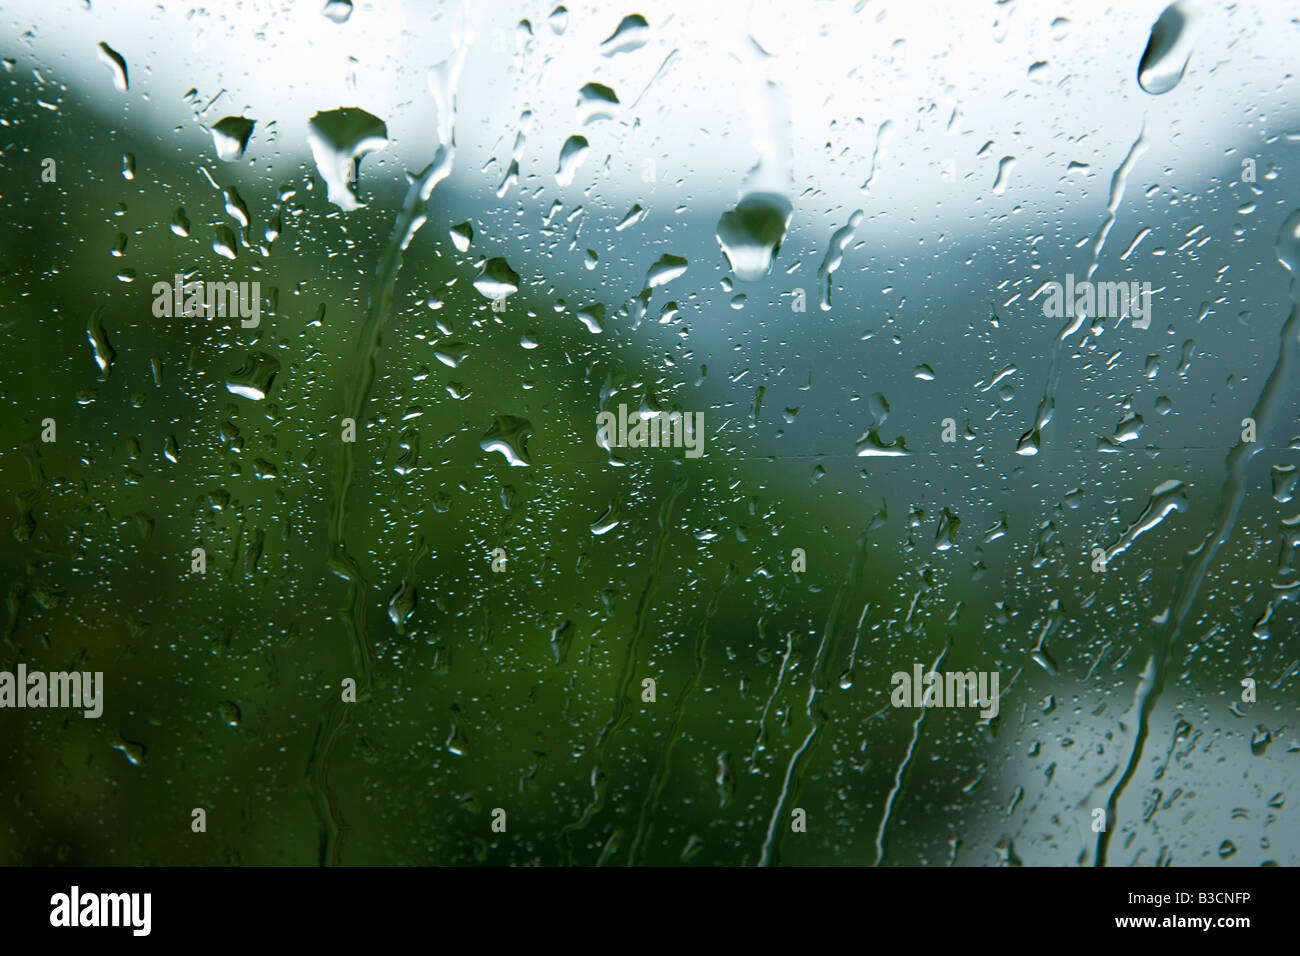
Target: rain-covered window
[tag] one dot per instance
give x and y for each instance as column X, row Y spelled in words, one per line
column 709, row 433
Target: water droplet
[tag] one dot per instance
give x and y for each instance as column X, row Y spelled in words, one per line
column 725, row 779
column 559, row 20
column 1005, row 165
column 338, row 10
column 878, row 406
column 1260, row 740
column 610, row 520
column 230, row 137
column 462, row 236
column 1169, row 497
column 572, row 155
column 508, row 435
column 1130, row 429
column 497, row 280
column 692, row 849
column 593, row 317
column 665, row 270
column 946, row 536
column 338, row 140
column 401, row 605
column 751, row 234
column 1170, row 47
column 451, row 354
column 230, row 714
column 103, row 351
column 835, row 256
column 631, row 34
column 596, row 101
column 133, row 752
column 1287, row 247
column 871, row 446
column 128, row 166
column 224, row 242
column 116, row 66
column 236, row 208
column 1043, row 658
column 181, row 223
column 456, row 742
column 253, row 379
column 561, row 638
column 1284, row 481
column 997, row 531
column 634, row 216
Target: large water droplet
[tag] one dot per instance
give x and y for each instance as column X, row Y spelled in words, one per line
column 230, row 137
column 608, row 521
column 224, row 242
column 338, row 140
column 116, row 66
column 634, row 215
column 1165, row 58
column 946, row 535
column 871, row 446
column 752, row 233
column 631, row 34
column 1260, row 740
column 572, row 155
column 133, row 752
column 593, row 317
column 1284, row 482
column 1005, row 165
column 508, row 435
column 835, row 257
column 1288, row 244
column 462, row 236
column 665, row 270
column 236, row 208
column 596, row 101
column 497, row 280
column 338, row 10
column 1170, row 497
column 253, row 379
column 456, row 743
column 401, row 605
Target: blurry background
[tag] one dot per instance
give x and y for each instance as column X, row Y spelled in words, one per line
column 940, row 164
